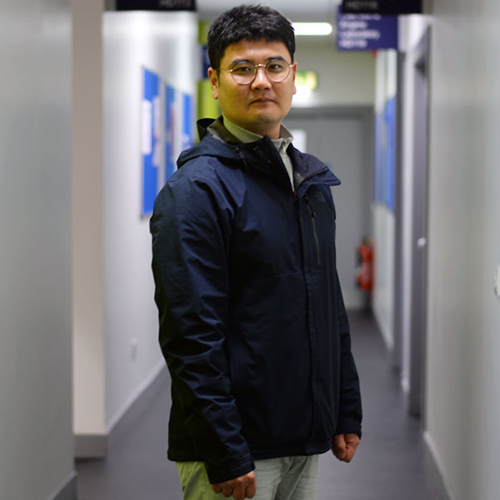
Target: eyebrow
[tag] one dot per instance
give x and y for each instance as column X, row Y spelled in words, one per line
column 273, row 58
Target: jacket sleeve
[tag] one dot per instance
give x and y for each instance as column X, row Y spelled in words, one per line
column 350, row 412
column 191, row 230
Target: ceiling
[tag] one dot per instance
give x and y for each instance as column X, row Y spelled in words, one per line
column 295, row 10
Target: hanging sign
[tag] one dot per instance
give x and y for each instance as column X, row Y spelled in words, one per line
column 156, row 5
column 366, row 32
column 383, row 7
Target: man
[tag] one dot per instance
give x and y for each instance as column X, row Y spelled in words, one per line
column 252, row 321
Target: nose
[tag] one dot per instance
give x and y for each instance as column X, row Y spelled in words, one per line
column 261, row 80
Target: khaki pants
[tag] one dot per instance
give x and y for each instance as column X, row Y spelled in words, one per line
column 288, row 478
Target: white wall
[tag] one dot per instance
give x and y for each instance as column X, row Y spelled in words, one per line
column 463, row 395
column 383, row 292
column 383, row 217
column 345, row 79
column 88, row 259
column 36, row 444
column 167, row 44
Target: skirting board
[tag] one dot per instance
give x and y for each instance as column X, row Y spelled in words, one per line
column 437, row 462
column 140, row 394
column 96, row 446
column 156, row 383
column 67, row 491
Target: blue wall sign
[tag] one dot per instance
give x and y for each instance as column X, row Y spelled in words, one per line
column 170, row 131
column 366, row 32
column 385, row 154
column 151, row 140
column 167, row 129
column 187, row 122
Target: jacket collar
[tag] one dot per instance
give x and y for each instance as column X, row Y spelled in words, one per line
column 261, row 156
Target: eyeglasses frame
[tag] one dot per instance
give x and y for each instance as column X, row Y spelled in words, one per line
column 257, row 66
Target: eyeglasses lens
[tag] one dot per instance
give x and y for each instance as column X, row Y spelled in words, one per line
column 245, row 73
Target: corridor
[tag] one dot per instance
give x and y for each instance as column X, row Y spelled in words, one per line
column 391, row 463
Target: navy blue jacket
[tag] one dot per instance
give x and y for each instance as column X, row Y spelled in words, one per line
column 252, row 322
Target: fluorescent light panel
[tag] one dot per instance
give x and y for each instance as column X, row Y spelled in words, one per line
column 312, row 29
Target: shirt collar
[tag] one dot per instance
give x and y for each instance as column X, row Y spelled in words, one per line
column 245, row 135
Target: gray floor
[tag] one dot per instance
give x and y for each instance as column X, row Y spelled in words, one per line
column 391, row 463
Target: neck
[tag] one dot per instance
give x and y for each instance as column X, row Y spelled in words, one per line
column 250, row 134
column 273, row 133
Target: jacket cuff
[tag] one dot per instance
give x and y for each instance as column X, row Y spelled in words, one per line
column 348, row 426
column 218, row 475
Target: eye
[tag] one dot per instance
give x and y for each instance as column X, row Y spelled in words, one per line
column 276, row 67
column 243, row 69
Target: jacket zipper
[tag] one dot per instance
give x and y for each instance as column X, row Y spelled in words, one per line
column 314, row 226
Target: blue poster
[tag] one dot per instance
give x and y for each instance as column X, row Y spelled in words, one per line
column 385, row 154
column 151, row 144
column 170, row 135
column 390, row 146
column 187, row 122
column 366, row 31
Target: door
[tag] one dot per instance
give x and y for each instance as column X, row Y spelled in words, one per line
column 418, row 314
column 398, row 321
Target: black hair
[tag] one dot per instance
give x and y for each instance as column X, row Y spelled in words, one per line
column 248, row 22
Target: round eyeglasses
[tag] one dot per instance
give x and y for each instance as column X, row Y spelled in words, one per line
column 245, row 73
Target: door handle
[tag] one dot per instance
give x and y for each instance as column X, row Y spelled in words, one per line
column 422, row 242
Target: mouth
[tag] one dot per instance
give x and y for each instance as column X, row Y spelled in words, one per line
column 261, row 100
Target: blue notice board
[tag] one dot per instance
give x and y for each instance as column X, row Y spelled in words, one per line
column 390, row 127
column 151, row 143
column 385, row 154
column 187, row 122
column 170, row 134
column 366, row 32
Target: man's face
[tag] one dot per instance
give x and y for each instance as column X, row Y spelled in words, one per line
column 260, row 106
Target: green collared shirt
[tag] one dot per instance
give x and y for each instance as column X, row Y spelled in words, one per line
column 281, row 144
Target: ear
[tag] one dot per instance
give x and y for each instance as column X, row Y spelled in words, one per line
column 294, row 73
column 214, row 82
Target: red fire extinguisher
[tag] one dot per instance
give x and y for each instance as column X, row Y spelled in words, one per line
column 364, row 275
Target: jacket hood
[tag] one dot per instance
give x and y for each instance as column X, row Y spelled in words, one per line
column 215, row 141
column 261, row 155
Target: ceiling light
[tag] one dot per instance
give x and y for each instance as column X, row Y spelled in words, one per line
column 312, row 29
